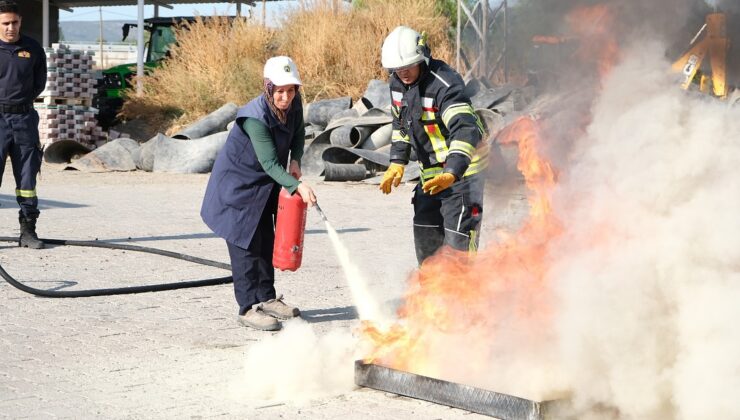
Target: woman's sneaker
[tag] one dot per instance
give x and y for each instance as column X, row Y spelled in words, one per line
column 279, row 309
column 259, row 320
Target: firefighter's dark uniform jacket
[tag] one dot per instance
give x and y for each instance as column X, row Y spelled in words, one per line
column 435, row 118
column 22, row 79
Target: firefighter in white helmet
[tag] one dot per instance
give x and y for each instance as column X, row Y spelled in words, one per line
column 432, row 115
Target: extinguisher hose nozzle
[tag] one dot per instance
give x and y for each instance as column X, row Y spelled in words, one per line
column 321, row 213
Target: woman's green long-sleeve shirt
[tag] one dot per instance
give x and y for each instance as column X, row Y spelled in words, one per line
column 264, row 147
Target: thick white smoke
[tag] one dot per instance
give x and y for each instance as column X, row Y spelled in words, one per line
column 298, row 364
column 648, row 269
column 645, row 276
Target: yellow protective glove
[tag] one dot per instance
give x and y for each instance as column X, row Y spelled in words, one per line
column 439, row 183
column 392, row 175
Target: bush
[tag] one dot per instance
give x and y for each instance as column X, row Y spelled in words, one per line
column 215, row 61
column 337, row 51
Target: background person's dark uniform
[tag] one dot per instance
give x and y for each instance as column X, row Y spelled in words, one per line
column 22, row 79
column 435, row 117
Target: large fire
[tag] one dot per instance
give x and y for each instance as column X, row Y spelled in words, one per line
column 453, row 293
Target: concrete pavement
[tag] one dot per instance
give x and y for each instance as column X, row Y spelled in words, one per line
column 181, row 354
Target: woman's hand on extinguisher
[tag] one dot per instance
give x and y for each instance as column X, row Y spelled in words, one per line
column 306, row 193
column 295, row 169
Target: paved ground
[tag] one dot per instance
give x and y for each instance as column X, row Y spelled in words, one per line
column 180, row 354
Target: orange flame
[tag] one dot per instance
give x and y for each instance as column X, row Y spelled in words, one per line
column 453, row 293
column 595, row 27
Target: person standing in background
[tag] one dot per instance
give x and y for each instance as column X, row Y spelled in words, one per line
column 22, row 79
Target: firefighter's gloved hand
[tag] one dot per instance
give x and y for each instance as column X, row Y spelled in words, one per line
column 439, row 183
column 392, row 176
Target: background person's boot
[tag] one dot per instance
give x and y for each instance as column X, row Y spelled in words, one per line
column 28, row 238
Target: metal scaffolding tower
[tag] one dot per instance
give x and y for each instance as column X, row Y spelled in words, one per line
column 472, row 57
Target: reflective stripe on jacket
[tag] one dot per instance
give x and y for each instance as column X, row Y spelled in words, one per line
column 435, row 117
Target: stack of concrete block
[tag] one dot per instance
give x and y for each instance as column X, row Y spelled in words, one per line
column 70, row 122
column 64, row 107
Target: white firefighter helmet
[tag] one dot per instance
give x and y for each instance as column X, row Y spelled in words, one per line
column 403, row 47
column 281, row 71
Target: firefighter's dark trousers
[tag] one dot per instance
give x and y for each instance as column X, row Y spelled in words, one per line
column 251, row 268
column 19, row 138
column 452, row 217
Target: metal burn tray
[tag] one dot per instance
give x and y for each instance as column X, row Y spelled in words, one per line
column 490, row 403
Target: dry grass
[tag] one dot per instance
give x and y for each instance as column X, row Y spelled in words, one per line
column 337, row 52
column 214, row 62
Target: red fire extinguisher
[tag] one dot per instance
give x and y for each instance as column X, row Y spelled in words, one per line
column 289, row 228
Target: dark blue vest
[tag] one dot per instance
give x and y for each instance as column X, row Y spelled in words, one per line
column 239, row 188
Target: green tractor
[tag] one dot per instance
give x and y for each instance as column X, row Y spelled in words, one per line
column 117, row 79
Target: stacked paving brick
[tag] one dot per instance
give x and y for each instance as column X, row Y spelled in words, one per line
column 64, row 107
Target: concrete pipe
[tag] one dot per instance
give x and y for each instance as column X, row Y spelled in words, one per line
column 320, row 112
column 350, row 136
column 378, row 138
column 144, row 157
column 344, row 172
column 490, row 98
column 188, row 156
column 212, row 123
column 65, row 151
column 378, row 94
column 113, row 156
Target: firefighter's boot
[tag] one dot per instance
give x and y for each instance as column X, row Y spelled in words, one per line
column 28, row 238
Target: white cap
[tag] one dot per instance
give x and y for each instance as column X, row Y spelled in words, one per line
column 281, row 71
column 403, row 47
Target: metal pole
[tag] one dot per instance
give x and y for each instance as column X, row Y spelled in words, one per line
column 102, row 62
column 484, row 39
column 238, row 8
column 156, row 10
column 45, row 22
column 506, row 41
column 458, row 37
column 264, row 13
column 140, row 47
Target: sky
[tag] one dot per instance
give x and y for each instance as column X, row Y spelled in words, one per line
column 203, row 9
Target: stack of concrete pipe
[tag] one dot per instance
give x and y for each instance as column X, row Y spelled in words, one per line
column 351, row 142
column 345, row 141
column 191, row 150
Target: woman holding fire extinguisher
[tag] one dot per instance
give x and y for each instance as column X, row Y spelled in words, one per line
column 241, row 198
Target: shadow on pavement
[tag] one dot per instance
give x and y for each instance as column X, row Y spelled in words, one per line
column 205, row 236
column 8, row 202
column 39, row 284
column 344, row 313
column 340, row 231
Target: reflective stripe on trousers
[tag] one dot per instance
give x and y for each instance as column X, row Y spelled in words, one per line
column 19, row 139
column 452, row 217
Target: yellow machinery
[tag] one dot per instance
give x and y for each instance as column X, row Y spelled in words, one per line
column 712, row 41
